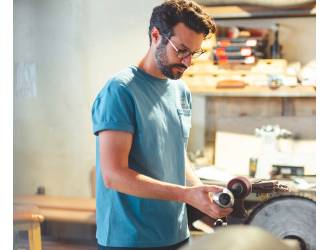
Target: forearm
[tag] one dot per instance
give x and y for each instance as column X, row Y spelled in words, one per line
column 128, row 181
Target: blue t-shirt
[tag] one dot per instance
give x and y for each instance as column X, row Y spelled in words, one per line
column 158, row 114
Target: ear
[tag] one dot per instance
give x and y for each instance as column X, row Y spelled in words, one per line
column 155, row 35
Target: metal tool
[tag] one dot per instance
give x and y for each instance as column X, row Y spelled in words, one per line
column 237, row 190
column 287, row 217
column 268, row 186
column 241, row 187
column 224, row 199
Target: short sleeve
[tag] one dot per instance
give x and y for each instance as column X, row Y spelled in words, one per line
column 113, row 109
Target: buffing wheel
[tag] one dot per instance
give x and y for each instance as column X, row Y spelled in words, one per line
column 287, row 217
column 240, row 187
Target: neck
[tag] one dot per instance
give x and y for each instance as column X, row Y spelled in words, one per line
column 149, row 65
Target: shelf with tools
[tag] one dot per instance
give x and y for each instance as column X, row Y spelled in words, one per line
column 253, row 74
column 240, row 67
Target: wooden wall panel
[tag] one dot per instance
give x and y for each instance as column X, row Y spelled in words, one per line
column 243, row 115
column 243, row 106
column 304, row 106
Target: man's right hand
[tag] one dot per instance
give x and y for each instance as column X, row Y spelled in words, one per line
column 200, row 198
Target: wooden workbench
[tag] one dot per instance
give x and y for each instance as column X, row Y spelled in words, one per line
column 255, row 91
column 61, row 209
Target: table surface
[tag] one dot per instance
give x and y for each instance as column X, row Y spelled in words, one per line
column 255, row 91
column 59, row 208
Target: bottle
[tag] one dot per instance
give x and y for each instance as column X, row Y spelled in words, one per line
column 253, row 167
column 275, row 49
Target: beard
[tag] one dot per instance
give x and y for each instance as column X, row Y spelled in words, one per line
column 163, row 65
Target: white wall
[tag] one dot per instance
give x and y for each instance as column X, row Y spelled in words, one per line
column 75, row 45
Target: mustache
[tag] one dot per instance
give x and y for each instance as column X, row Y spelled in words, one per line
column 178, row 65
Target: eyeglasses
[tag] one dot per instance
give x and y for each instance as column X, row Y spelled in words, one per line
column 183, row 53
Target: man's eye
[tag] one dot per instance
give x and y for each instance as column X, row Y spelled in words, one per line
column 183, row 51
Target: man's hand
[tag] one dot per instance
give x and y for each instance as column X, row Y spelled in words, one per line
column 200, row 198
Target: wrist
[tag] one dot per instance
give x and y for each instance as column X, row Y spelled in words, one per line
column 182, row 194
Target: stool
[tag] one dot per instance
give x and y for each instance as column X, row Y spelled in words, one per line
column 28, row 218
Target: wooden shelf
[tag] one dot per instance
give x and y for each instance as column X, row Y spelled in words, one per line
column 247, row 12
column 255, row 91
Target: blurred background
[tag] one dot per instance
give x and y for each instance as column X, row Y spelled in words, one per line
column 64, row 52
column 254, row 95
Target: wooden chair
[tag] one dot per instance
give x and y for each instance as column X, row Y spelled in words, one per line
column 27, row 218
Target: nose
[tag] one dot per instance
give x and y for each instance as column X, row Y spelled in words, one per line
column 186, row 61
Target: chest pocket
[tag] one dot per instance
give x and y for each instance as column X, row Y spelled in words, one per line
column 185, row 122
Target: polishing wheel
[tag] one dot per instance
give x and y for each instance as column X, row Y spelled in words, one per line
column 240, row 187
column 287, row 217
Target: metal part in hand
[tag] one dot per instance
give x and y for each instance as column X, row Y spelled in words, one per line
column 224, row 199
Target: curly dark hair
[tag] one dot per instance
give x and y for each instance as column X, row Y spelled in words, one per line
column 165, row 16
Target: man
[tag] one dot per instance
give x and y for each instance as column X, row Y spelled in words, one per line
column 142, row 119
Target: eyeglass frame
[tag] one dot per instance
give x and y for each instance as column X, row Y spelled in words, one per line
column 193, row 54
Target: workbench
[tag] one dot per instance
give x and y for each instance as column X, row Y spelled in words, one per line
column 255, row 91
column 61, row 209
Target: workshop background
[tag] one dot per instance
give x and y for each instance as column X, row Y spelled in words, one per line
column 65, row 51
column 70, row 49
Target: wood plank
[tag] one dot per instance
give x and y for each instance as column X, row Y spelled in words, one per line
column 303, row 127
column 57, row 202
column 24, row 213
column 243, row 106
column 72, row 216
column 61, row 209
column 255, row 91
column 246, row 12
column 304, row 106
